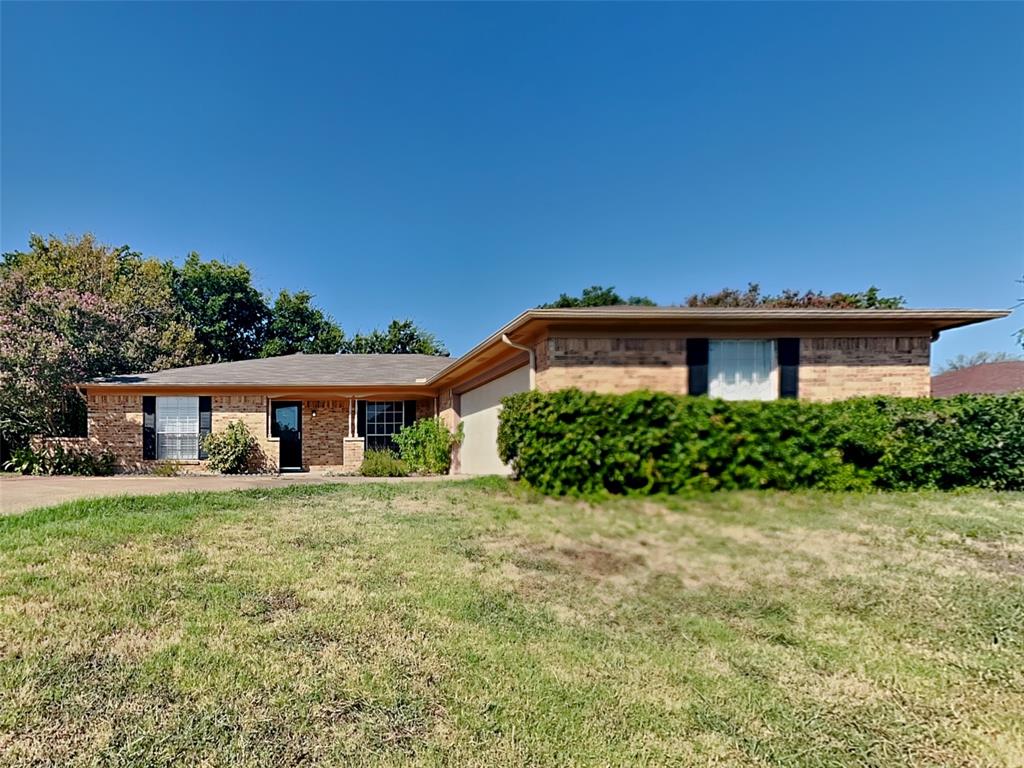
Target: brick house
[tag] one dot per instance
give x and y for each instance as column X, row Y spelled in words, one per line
column 323, row 411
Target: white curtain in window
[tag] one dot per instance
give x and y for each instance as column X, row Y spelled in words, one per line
column 177, row 428
column 742, row 370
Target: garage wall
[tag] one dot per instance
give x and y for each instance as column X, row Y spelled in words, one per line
column 479, row 410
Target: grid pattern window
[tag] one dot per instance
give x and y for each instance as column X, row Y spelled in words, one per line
column 384, row 419
column 177, row 428
column 742, row 370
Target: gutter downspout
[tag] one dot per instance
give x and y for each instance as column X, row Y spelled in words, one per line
column 533, row 358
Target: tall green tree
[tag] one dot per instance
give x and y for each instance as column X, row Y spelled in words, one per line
column 297, row 326
column 228, row 315
column 402, row 337
column 597, row 296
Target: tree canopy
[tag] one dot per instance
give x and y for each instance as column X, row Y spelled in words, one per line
column 51, row 339
column 297, row 326
column 402, row 337
column 597, row 296
column 72, row 309
column 600, row 296
column 139, row 290
column 978, row 358
column 793, row 299
column 229, row 316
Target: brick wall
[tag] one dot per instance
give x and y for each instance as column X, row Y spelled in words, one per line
column 836, row 368
column 323, row 435
column 831, row 368
column 115, row 422
column 612, row 364
column 354, row 448
column 72, row 444
column 447, row 408
column 251, row 410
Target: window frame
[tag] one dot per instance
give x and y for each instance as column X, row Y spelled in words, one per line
column 372, row 439
column 160, row 434
column 769, row 387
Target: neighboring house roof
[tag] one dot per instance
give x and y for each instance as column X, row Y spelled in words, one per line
column 297, row 370
column 410, row 370
column 984, row 379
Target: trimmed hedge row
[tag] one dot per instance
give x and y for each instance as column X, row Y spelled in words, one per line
column 644, row 442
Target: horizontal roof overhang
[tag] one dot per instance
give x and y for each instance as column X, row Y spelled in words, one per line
column 535, row 323
column 322, row 391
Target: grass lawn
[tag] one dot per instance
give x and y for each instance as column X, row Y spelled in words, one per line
column 473, row 623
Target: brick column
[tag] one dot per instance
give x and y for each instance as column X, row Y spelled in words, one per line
column 353, row 453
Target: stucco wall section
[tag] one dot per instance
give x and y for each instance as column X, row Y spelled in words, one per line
column 612, row 365
column 837, row 368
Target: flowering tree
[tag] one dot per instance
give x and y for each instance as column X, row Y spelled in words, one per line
column 789, row 298
column 51, row 339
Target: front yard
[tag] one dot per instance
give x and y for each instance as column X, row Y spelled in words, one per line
column 472, row 623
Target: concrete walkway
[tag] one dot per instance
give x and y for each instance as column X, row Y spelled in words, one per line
column 19, row 493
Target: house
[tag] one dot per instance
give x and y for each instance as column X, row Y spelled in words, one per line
column 999, row 378
column 326, row 410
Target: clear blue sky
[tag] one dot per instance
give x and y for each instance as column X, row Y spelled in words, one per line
column 459, row 163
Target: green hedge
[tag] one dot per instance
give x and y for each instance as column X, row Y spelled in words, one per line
column 644, row 442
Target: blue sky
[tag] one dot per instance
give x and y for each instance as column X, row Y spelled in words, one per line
column 459, row 163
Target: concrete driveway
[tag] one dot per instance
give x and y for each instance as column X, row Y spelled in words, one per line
column 19, row 493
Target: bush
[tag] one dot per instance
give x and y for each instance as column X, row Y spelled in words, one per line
column 166, row 469
column 232, row 451
column 644, row 442
column 383, row 464
column 57, row 460
column 426, row 446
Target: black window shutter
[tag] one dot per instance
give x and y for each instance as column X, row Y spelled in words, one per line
column 360, row 418
column 148, row 427
column 789, row 367
column 205, row 422
column 697, row 365
column 409, row 413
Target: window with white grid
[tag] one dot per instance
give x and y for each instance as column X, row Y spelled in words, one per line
column 742, row 370
column 177, row 428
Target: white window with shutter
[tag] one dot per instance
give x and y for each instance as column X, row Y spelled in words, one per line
column 177, row 428
column 742, row 370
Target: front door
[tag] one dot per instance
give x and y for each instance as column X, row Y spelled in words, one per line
column 286, row 426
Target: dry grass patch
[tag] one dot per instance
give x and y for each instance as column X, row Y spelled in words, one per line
column 477, row 624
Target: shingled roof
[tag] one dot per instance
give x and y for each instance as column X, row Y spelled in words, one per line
column 297, row 370
column 984, row 379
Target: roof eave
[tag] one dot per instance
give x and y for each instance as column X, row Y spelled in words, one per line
column 933, row 320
